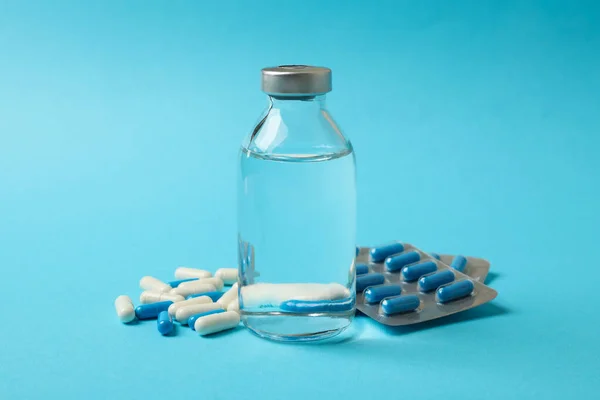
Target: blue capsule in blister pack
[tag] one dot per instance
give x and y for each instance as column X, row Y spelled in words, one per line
column 400, row 304
column 375, row 294
column 434, row 281
column 362, row 269
column 416, row 271
column 476, row 268
column 399, row 284
column 378, row 254
column 455, row 291
column 364, row 281
column 459, row 263
column 397, row 262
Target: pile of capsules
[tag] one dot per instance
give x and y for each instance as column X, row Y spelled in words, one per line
column 196, row 299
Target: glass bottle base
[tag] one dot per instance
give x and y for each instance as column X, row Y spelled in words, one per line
column 288, row 327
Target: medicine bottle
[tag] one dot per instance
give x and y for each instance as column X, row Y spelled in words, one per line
column 296, row 212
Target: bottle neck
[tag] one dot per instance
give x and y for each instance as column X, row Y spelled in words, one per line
column 292, row 106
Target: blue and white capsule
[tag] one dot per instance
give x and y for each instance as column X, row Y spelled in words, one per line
column 153, row 284
column 459, row 263
column 364, row 281
column 414, row 272
column 375, row 294
column 125, row 309
column 193, row 318
column 400, row 304
column 184, row 313
column 396, row 263
column 213, row 295
column 316, row 306
column 164, row 323
column 378, row 254
column 147, row 297
column 149, row 311
column 455, row 291
column 176, row 283
column 434, row 281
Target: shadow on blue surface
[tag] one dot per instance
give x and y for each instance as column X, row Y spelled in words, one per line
column 354, row 335
column 484, row 311
column 227, row 332
column 173, row 333
column 491, row 277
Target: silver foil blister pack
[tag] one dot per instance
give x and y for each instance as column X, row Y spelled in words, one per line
column 401, row 273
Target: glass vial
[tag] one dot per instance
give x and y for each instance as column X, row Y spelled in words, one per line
column 296, row 213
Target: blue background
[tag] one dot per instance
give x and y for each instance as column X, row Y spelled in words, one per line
column 476, row 127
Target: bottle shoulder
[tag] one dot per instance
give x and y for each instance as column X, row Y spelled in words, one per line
column 280, row 134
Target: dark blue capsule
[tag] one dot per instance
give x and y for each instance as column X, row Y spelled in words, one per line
column 400, row 304
column 363, row 281
column 174, row 284
column 432, row 282
column 455, row 291
column 435, row 255
column 164, row 323
column 378, row 254
column 362, row 269
column 149, row 311
column 375, row 294
column 313, row 306
column 459, row 263
column 213, row 295
column 357, row 250
column 396, row 263
column 193, row 318
column 414, row 272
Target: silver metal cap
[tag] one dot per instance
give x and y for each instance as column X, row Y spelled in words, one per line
column 296, row 80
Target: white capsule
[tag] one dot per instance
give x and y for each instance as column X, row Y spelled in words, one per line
column 229, row 296
column 216, row 322
column 196, row 300
column 184, row 313
column 217, row 282
column 125, row 310
column 234, row 306
column 185, row 272
column 153, row 284
column 194, row 287
column 261, row 294
column 148, row 297
column 228, row 275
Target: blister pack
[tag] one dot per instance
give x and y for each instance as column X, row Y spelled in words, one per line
column 475, row 267
column 399, row 284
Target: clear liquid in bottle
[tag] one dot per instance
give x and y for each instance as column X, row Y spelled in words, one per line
column 297, row 224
